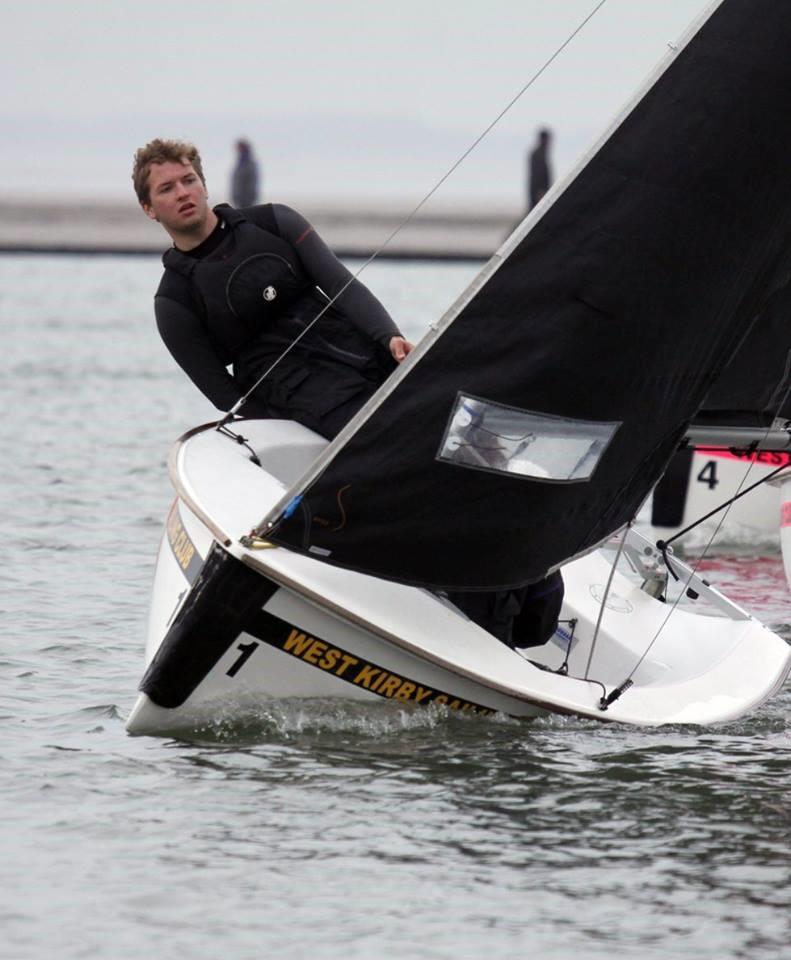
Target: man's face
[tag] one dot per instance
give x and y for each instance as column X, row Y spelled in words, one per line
column 177, row 197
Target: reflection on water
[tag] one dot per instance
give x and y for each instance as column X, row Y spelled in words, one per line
column 327, row 828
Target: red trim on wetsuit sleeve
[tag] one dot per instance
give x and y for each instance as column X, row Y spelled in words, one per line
column 302, row 236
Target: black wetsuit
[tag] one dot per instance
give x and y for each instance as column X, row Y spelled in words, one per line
column 526, row 617
column 246, row 293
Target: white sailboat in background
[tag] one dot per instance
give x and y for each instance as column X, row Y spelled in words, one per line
column 522, row 435
column 703, row 483
column 785, row 524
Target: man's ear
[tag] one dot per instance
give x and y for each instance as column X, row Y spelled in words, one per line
column 149, row 212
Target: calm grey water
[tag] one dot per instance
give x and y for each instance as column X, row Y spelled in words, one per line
column 329, row 830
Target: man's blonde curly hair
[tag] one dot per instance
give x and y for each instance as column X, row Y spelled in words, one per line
column 162, row 151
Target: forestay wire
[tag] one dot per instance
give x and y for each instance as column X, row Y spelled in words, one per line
column 234, row 410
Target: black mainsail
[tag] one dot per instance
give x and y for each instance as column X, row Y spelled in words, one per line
column 534, row 424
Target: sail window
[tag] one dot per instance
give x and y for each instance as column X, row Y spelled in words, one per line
column 490, row 436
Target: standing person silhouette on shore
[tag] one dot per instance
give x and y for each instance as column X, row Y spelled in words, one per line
column 244, row 179
column 539, row 171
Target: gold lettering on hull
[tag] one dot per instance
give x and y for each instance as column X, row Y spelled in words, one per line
column 183, row 548
column 369, row 676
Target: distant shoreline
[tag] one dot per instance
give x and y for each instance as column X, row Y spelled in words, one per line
column 74, row 227
column 352, row 253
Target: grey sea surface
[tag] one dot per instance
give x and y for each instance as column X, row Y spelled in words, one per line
column 329, row 830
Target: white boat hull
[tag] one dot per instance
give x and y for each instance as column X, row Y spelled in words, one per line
column 785, row 525
column 231, row 627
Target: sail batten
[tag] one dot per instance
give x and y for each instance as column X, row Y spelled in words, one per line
column 587, row 346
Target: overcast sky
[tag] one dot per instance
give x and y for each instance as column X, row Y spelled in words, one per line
column 345, row 99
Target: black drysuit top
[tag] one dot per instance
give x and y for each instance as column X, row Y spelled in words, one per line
column 212, row 312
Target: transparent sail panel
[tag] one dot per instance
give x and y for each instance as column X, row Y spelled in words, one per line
column 490, row 436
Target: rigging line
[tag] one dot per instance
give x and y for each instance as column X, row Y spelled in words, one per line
column 232, row 412
column 663, row 544
column 242, row 441
column 702, row 557
column 604, row 598
column 563, row 669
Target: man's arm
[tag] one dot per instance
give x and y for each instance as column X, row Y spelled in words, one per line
column 192, row 350
column 326, row 271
